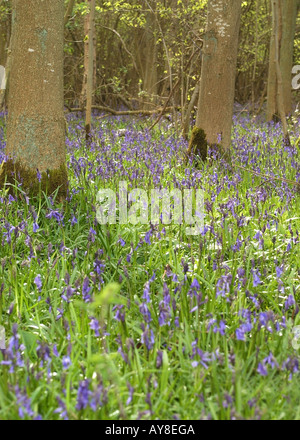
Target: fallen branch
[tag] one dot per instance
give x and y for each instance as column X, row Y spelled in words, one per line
column 121, row 112
column 268, row 177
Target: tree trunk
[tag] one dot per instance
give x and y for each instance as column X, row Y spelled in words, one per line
column 3, row 36
column 36, row 125
column 89, row 32
column 272, row 80
column 146, row 51
column 289, row 16
column 217, row 83
column 280, row 96
column 90, row 69
column 286, row 27
column 187, row 117
column 4, row 52
column 3, row 91
column 69, row 11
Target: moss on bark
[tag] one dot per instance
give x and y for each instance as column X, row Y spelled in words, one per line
column 198, row 144
column 13, row 173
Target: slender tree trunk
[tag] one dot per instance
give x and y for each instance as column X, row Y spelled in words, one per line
column 4, row 51
column 4, row 91
column 284, row 39
column 36, row 125
column 186, row 122
column 69, row 11
column 3, row 43
column 90, row 69
column 280, row 96
column 217, row 83
column 289, row 16
column 147, row 58
column 272, row 78
column 82, row 101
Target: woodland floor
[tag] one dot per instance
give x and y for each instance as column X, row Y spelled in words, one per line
column 125, row 321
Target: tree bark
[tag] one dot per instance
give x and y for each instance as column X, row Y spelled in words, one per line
column 286, row 27
column 217, row 83
column 90, row 69
column 69, row 11
column 36, row 125
column 289, row 16
column 3, row 92
column 3, row 43
column 280, row 96
column 146, row 51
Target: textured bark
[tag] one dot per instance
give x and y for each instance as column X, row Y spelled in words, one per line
column 89, row 32
column 272, row 81
column 276, row 37
column 90, row 68
column 217, row 83
column 4, row 92
column 69, row 11
column 289, row 16
column 2, row 43
column 4, row 51
column 286, row 28
column 36, row 125
column 186, row 122
column 146, row 50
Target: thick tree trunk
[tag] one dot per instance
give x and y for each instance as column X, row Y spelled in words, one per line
column 217, row 83
column 36, row 125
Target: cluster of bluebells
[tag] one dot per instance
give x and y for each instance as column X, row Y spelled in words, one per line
column 92, row 398
column 252, row 228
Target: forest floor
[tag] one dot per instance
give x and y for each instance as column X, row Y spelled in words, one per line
column 124, row 321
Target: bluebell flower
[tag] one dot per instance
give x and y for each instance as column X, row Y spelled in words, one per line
column 38, row 282
column 86, row 290
column 83, row 395
column 290, row 301
column 121, row 241
column 256, row 278
column 195, row 285
column 145, row 312
column 261, row 369
column 24, row 403
column 95, row 325
column 159, row 359
column 131, row 391
column 279, row 271
column 147, row 337
column 61, row 409
column 66, row 362
column 146, row 292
